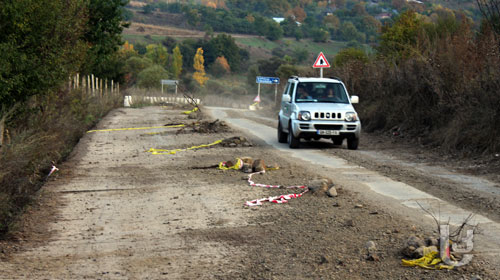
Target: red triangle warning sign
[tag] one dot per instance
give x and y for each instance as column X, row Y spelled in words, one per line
column 321, row 61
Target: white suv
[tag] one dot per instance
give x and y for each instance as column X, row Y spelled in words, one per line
column 314, row 108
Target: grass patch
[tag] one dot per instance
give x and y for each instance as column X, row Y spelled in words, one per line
column 144, row 39
column 329, row 49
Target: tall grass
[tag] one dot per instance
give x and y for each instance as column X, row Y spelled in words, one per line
column 41, row 132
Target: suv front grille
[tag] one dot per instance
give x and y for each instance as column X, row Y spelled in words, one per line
column 328, row 126
column 327, row 115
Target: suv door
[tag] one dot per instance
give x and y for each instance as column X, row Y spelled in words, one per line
column 287, row 106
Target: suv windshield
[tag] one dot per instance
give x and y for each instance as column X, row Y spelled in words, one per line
column 321, row 92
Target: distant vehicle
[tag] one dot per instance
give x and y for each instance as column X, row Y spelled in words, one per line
column 314, row 108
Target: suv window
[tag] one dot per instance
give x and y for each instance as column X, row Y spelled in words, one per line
column 287, row 88
column 321, row 92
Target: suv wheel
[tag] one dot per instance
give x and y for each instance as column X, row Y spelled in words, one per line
column 293, row 142
column 352, row 143
column 282, row 136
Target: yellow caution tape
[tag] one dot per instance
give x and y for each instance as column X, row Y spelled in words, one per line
column 154, row 151
column 237, row 166
column 189, row 112
column 430, row 260
column 154, row 133
column 255, row 104
column 135, row 128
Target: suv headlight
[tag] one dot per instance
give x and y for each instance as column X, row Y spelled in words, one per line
column 351, row 117
column 304, row 116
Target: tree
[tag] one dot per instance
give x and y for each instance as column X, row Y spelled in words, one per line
column 103, row 34
column 348, row 55
column 320, row 35
column 350, row 33
column 400, row 39
column 269, row 28
column 299, row 14
column 158, row 54
column 40, row 46
column 223, row 45
column 151, row 77
column 133, row 66
column 220, row 67
column 199, row 74
column 177, row 63
column 169, row 43
column 128, row 50
column 331, row 21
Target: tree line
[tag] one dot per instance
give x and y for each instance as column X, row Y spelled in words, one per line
column 352, row 21
column 146, row 65
column 44, row 42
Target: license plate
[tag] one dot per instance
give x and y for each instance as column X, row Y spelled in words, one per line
column 328, row 132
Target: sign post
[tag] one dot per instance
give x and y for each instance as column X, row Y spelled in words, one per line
column 321, row 63
column 169, row 82
column 268, row 80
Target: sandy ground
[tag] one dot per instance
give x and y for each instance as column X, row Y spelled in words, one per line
column 115, row 211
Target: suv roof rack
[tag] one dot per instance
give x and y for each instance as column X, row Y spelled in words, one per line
column 336, row 78
column 294, row 77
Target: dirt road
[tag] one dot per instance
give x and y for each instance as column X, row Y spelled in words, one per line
column 117, row 211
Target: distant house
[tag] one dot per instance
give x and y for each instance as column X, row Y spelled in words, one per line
column 383, row 16
column 278, row 19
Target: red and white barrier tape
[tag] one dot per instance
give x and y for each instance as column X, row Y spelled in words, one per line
column 54, row 169
column 273, row 199
column 253, row 184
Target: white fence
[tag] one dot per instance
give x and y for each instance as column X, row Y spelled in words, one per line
column 130, row 100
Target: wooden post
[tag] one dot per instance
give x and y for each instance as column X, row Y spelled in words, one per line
column 77, row 80
column 88, row 85
column 92, row 88
column 97, row 86
column 100, row 87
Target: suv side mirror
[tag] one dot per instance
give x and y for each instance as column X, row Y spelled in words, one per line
column 354, row 99
column 286, row 98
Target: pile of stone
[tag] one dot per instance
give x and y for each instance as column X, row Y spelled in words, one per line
column 322, row 186
column 250, row 165
column 205, row 126
column 416, row 246
column 237, row 141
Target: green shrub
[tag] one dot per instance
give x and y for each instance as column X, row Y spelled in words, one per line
column 151, row 77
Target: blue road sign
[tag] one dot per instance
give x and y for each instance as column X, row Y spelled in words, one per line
column 267, row 80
